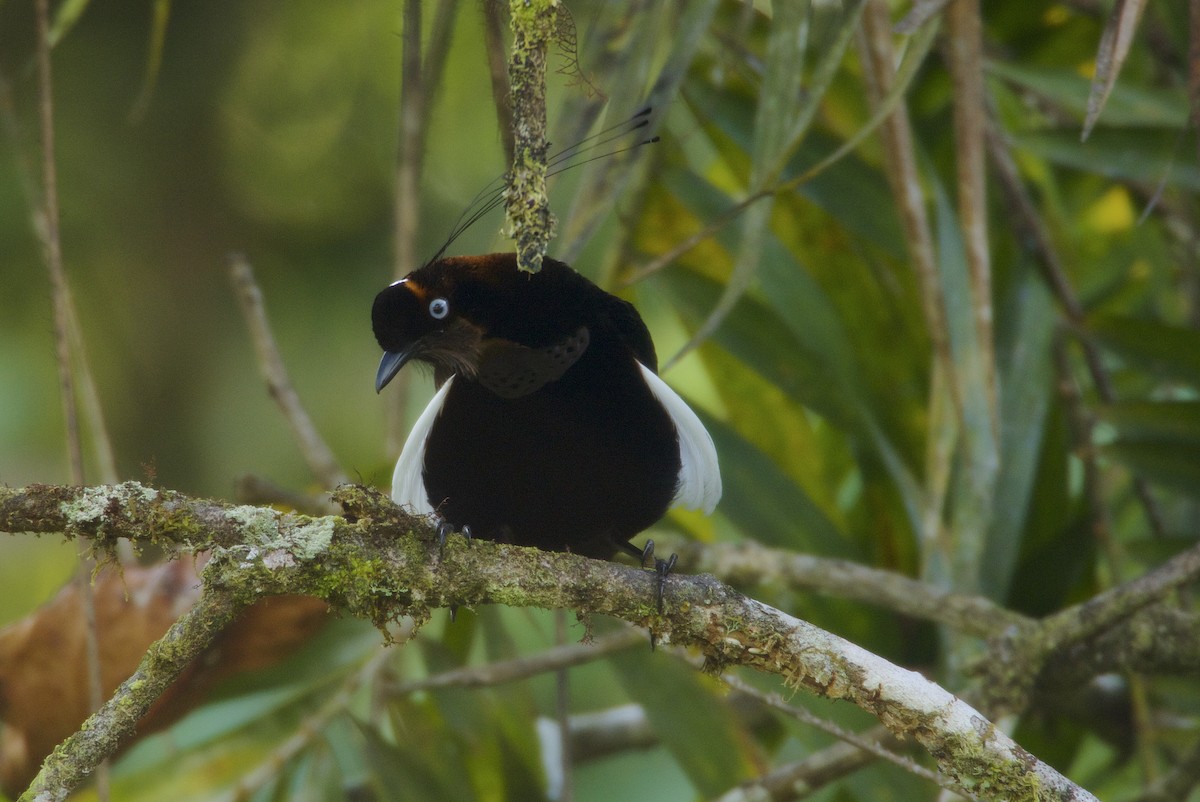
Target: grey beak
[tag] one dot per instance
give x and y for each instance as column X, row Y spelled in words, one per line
column 389, row 366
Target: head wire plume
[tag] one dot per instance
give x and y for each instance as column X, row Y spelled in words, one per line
column 492, row 195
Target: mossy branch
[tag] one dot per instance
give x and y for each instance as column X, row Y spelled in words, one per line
column 527, row 207
column 378, row 562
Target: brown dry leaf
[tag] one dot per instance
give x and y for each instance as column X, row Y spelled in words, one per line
column 43, row 663
column 1114, row 47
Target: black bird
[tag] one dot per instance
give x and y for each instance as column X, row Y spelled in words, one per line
column 550, row 426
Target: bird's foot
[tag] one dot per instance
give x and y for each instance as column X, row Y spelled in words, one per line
column 661, row 568
column 445, row 529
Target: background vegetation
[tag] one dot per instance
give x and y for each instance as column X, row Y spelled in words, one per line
column 991, row 386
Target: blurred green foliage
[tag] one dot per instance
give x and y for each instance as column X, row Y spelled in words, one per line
column 270, row 129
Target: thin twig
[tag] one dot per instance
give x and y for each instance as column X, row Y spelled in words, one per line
column 900, row 163
column 409, row 156
column 1178, row 783
column 52, row 245
column 553, row 659
column 562, row 705
column 802, row 778
column 867, row 743
column 921, row 12
column 1080, row 422
column 434, row 64
column 317, row 454
column 253, row 489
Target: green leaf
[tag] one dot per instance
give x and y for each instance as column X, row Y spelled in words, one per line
column 853, row 192
column 765, row 503
column 1172, row 465
column 1168, row 351
column 759, row 337
column 1154, row 421
column 1149, row 155
column 65, row 18
column 404, row 774
column 801, row 347
column 683, row 708
column 957, row 562
column 1028, row 323
column 1129, row 105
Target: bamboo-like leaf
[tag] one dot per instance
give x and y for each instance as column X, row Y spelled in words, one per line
column 760, row 499
column 958, row 561
column 1114, row 47
column 1136, row 106
column 595, row 195
column 1151, row 346
column 867, row 212
column 154, row 55
column 65, row 18
column 1153, row 421
column 775, row 116
column 407, row 774
column 1172, row 465
column 766, row 504
column 1027, row 386
column 681, row 705
column 914, row 57
column 1147, row 155
column 755, row 334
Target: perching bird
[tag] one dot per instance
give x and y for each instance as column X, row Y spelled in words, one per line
column 550, row 426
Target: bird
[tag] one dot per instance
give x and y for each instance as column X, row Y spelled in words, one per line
column 550, row 426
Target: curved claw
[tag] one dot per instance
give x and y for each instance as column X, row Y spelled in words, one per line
column 662, row 568
column 647, row 552
column 445, row 529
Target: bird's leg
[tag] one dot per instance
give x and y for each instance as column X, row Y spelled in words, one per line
column 661, row 567
column 444, row 528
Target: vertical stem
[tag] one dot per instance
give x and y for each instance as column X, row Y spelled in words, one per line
column 53, row 246
column 408, row 182
column 945, row 402
column 563, row 704
column 493, row 37
column 965, row 51
column 408, row 162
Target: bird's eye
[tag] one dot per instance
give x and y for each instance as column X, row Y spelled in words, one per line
column 439, row 308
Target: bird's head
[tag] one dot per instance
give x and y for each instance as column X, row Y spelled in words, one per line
column 481, row 318
column 418, row 317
